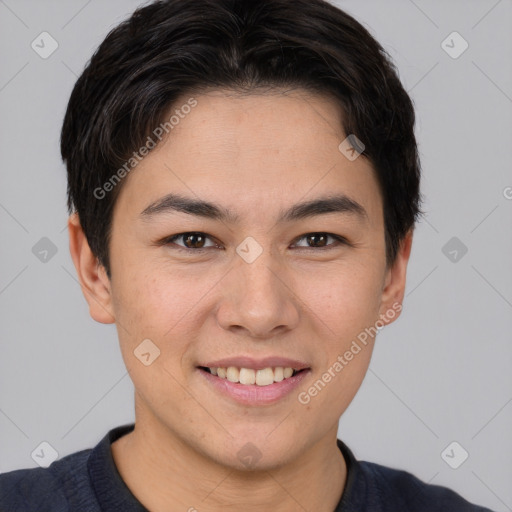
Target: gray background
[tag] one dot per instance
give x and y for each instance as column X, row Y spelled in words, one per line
column 441, row 373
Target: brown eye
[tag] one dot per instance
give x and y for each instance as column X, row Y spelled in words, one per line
column 192, row 241
column 320, row 241
column 317, row 239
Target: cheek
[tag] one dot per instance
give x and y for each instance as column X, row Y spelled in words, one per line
column 342, row 305
column 164, row 304
column 153, row 306
column 147, row 304
column 345, row 300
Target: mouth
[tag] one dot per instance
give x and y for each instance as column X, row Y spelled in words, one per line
column 251, row 377
column 259, row 384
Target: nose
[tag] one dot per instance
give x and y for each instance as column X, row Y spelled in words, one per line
column 258, row 299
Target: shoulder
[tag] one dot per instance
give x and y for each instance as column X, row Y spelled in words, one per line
column 403, row 491
column 57, row 488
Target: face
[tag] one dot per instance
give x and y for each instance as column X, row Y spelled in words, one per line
column 255, row 282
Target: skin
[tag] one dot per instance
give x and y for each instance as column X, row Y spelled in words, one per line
column 256, row 155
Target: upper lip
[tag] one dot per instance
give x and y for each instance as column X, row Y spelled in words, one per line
column 256, row 364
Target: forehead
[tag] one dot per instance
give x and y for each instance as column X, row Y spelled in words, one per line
column 252, row 151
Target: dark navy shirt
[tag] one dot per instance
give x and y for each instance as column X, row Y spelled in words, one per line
column 88, row 481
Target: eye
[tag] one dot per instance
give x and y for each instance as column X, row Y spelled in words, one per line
column 194, row 241
column 319, row 240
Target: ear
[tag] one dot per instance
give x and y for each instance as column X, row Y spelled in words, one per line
column 394, row 283
column 92, row 276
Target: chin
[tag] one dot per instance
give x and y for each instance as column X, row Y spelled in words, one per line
column 256, row 452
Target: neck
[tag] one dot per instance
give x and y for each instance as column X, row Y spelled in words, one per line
column 159, row 469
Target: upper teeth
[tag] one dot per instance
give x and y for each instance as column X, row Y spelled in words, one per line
column 249, row 376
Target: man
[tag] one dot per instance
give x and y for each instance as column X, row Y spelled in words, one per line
column 243, row 184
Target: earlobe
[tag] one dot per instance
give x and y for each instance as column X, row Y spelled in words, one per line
column 394, row 285
column 92, row 276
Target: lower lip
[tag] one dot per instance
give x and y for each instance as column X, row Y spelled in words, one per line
column 252, row 394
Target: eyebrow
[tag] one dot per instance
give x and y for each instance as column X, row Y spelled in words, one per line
column 320, row 206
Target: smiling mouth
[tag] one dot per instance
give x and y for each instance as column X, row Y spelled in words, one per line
column 251, row 377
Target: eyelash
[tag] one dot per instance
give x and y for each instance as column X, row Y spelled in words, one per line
column 170, row 240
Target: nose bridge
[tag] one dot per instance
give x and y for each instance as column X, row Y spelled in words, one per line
column 257, row 299
column 259, row 280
